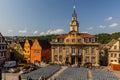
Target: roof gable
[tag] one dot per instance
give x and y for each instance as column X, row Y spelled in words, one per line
column 44, row 44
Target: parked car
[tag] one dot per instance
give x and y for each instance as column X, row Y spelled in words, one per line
column 23, row 71
column 13, row 70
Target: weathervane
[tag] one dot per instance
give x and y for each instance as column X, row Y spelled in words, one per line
column 74, row 7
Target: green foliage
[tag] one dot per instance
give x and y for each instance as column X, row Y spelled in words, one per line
column 47, row 37
column 105, row 37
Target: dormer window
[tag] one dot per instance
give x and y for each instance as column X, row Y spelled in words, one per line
column 56, row 40
column 67, row 40
column 79, row 40
column 86, row 39
column 93, row 40
column 115, row 47
column 60, row 40
column 73, row 40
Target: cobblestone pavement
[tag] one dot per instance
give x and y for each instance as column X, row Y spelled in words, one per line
column 117, row 73
column 10, row 76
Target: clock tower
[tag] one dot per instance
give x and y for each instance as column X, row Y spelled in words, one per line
column 74, row 25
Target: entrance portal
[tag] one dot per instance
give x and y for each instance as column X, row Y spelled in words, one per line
column 73, row 60
column 76, row 59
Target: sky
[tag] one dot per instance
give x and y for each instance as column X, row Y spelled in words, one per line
column 45, row 17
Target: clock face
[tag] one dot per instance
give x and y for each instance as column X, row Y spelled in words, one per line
column 74, row 23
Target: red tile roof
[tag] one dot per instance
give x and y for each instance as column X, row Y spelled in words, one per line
column 86, row 35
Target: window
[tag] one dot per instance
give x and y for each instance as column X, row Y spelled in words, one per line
column 67, row 51
column 36, row 51
column 35, row 46
column 92, row 51
column 111, row 54
column 55, row 50
column 79, row 51
column 56, row 40
column 79, row 40
column 55, row 58
column 87, row 59
column 60, row 50
column 115, row 60
column 93, row 40
column 93, row 60
column 67, row 40
column 115, row 47
column 61, row 40
column 2, row 54
column 86, row 39
column 60, row 58
column 2, row 47
column 87, row 51
column 73, row 40
column 111, row 60
column 73, row 51
column 73, row 29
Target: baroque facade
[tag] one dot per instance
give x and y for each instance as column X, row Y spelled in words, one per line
column 75, row 47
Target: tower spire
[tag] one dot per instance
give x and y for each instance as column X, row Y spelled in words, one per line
column 74, row 12
column 74, row 25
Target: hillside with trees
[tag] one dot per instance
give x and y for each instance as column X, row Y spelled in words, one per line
column 105, row 37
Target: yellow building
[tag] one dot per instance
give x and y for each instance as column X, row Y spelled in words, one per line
column 27, row 49
column 114, row 51
column 18, row 51
column 75, row 47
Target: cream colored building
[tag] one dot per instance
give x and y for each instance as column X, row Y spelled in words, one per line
column 114, row 51
column 75, row 47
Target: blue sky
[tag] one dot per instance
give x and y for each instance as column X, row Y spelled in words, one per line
column 42, row 17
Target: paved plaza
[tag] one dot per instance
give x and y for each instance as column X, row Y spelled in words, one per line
column 68, row 73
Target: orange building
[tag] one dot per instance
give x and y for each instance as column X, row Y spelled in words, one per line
column 40, row 51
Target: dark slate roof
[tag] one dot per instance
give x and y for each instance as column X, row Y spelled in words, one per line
column 45, row 44
column 3, row 39
column 22, row 44
column 30, row 42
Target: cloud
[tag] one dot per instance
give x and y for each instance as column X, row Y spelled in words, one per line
column 35, row 32
column 22, row 31
column 10, row 30
column 90, row 28
column 42, row 33
column 102, row 27
column 109, row 18
column 113, row 25
column 49, row 32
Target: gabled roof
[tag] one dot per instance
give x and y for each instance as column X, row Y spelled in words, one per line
column 111, row 43
column 3, row 38
column 45, row 44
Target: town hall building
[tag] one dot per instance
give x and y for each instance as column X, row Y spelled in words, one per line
column 75, row 47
